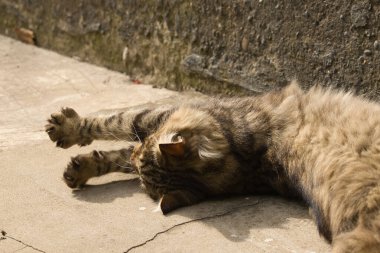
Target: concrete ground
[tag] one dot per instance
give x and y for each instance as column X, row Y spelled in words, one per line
column 39, row 213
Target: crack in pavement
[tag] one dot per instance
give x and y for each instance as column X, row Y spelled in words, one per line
column 5, row 235
column 190, row 221
column 17, row 250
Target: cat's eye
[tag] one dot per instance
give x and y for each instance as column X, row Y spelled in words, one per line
column 176, row 138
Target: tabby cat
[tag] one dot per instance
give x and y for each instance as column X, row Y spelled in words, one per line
column 321, row 146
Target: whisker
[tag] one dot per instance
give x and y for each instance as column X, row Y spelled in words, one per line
column 125, row 160
column 122, row 166
column 136, row 133
column 111, row 134
column 118, row 138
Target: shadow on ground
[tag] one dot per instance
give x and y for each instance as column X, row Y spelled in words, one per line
column 233, row 217
column 108, row 192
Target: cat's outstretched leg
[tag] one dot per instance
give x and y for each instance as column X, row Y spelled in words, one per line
column 97, row 163
column 67, row 128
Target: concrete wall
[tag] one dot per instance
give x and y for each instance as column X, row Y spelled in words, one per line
column 213, row 46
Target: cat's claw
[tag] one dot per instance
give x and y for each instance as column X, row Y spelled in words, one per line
column 75, row 163
column 57, row 118
column 69, row 112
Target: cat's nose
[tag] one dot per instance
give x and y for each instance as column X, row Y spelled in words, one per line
column 136, row 148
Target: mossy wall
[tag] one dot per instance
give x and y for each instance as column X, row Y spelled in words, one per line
column 238, row 46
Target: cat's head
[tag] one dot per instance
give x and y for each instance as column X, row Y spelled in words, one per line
column 183, row 161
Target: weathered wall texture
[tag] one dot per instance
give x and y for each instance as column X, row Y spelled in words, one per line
column 214, row 45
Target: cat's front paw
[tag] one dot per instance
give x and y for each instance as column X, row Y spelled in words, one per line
column 81, row 168
column 64, row 128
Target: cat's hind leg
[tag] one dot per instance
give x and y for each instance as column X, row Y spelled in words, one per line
column 96, row 163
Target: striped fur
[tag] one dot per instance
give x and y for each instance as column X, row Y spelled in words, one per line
column 321, row 146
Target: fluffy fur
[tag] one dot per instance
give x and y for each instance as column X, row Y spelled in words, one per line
column 321, row 146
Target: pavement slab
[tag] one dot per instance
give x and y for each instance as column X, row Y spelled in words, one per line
column 39, row 213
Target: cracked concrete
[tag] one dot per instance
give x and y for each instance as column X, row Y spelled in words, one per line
column 187, row 222
column 39, row 213
column 25, row 246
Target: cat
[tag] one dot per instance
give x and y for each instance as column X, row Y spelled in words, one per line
column 321, row 145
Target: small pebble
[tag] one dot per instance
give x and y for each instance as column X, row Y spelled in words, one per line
column 376, row 45
column 244, row 43
column 268, row 240
column 124, row 55
column 142, row 208
column 367, row 52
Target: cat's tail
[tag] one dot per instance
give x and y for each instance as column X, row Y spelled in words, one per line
column 359, row 240
column 365, row 237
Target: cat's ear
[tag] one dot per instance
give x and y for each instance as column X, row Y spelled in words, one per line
column 175, row 146
column 176, row 199
column 176, row 149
